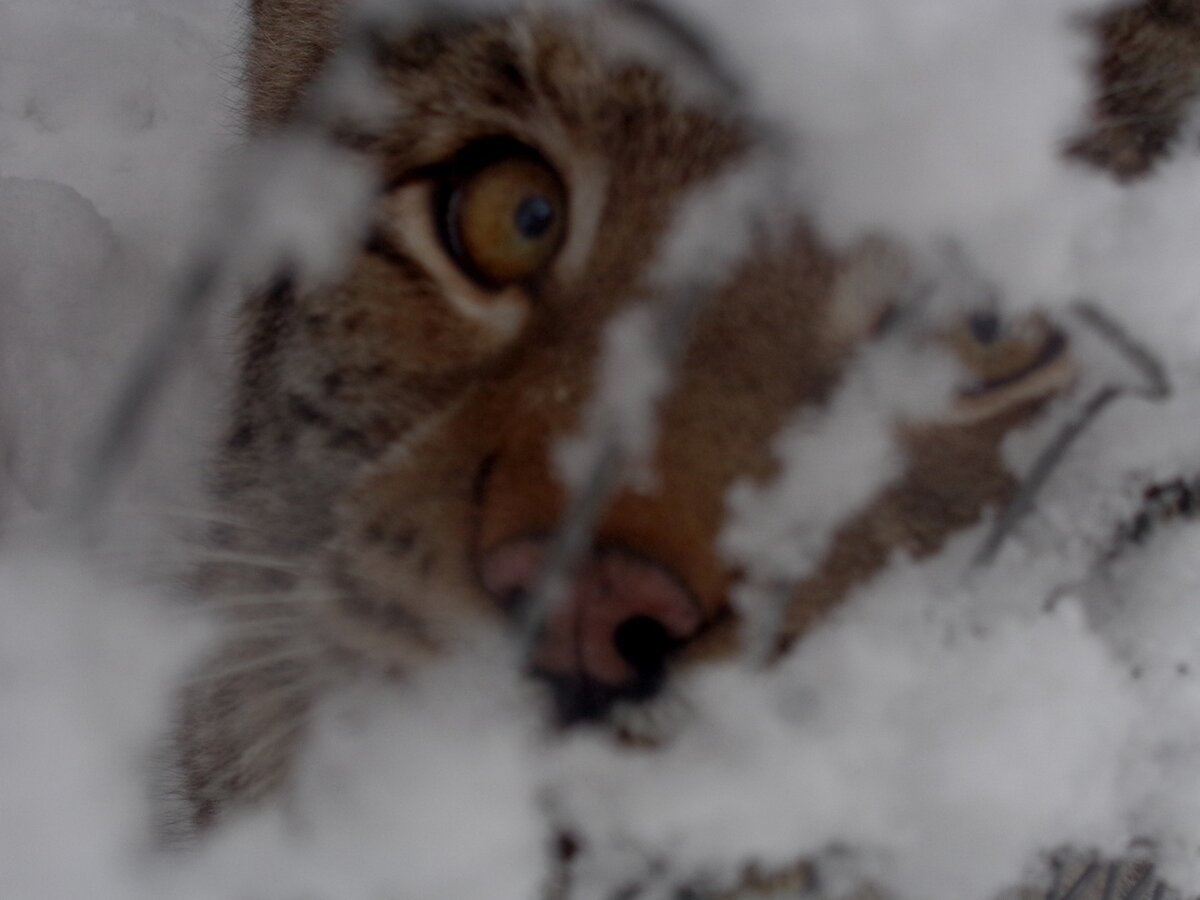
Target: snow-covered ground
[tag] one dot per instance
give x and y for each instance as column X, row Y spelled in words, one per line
column 948, row 724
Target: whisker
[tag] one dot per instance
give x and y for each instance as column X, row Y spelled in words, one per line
column 238, row 624
column 1113, row 122
column 290, row 603
column 205, row 516
column 262, row 562
column 257, row 663
column 266, row 742
column 1129, row 85
column 265, row 629
column 300, row 660
column 231, row 614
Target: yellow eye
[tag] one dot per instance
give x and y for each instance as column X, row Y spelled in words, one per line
column 1009, row 366
column 998, row 355
column 504, row 221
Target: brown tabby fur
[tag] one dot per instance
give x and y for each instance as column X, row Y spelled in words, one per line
column 1148, row 73
column 381, row 438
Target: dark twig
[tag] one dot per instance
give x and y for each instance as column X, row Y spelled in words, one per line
column 1111, row 879
column 157, row 359
column 163, row 351
column 1143, row 886
column 1081, row 883
column 587, row 505
column 1041, row 471
column 693, row 43
column 1155, row 387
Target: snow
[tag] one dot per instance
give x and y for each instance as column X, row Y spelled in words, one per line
column 927, row 120
column 40, row 218
column 83, row 716
column 948, row 726
column 633, row 379
column 112, row 115
column 1144, row 248
column 833, row 462
column 429, row 794
column 969, row 735
column 80, row 712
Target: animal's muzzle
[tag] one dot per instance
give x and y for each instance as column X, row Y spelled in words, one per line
column 611, row 635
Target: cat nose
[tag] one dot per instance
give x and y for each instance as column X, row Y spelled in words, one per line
column 615, row 628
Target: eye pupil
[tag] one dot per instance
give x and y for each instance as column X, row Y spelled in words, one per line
column 985, row 327
column 501, row 213
column 534, row 217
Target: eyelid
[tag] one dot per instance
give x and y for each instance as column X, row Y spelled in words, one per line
column 470, row 156
column 1050, row 347
column 1050, row 371
column 406, row 223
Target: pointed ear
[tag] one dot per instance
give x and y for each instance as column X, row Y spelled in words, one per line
column 289, row 42
column 871, row 278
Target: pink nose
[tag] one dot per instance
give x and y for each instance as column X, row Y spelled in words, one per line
column 617, row 626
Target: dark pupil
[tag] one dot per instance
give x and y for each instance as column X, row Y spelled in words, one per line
column 985, row 327
column 534, row 217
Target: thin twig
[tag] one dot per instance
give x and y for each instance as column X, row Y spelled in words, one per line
column 158, row 358
column 1112, row 879
column 1041, row 471
column 1155, row 387
column 1082, row 882
column 162, row 352
column 1145, row 883
column 690, row 39
column 574, row 536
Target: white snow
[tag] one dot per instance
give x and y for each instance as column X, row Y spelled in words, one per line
column 948, row 726
column 946, row 758
column 632, row 380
